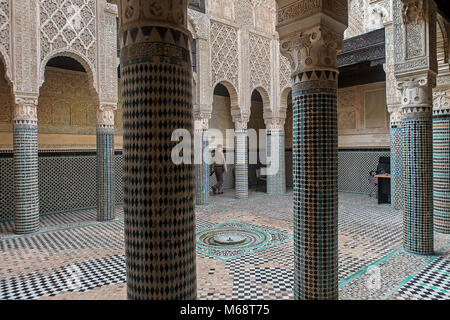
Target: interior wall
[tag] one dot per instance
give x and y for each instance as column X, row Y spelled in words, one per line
column 256, row 122
column 66, row 113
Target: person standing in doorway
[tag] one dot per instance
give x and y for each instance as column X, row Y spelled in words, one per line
column 220, row 168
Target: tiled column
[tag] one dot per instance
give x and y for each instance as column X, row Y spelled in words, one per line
column 105, row 163
column 276, row 183
column 158, row 194
column 311, row 43
column 396, row 159
column 241, row 159
column 417, row 165
column 415, row 72
column 201, row 166
column 26, row 183
column 441, row 159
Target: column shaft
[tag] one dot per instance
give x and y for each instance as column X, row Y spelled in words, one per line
column 441, row 163
column 276, row 183
column 417, row 166
column 315, row 156
column 158, row 194
column 201, row 169
column 26, row 183
column 241, row 163
column 105, row 165
column 396, row 165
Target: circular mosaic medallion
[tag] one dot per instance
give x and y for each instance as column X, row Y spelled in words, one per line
column 239, row 237
column 234, row 239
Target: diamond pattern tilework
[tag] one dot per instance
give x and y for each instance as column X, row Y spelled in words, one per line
column 159, row 194
column 441, row 172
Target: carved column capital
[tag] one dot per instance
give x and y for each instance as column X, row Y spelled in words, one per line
column 441, row 101
column 314, row 49
column 241, row 121
column 25, row 108
column 105, row 116
column 416, row 91
column 275, row 124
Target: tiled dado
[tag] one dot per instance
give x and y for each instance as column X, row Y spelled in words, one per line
column 66, row 181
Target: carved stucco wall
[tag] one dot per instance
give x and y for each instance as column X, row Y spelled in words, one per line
column 71, row 27
column 66, row 112
column 366, row 15
column 5, row 37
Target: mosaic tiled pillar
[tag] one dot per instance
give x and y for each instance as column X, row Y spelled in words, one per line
column 158, row 194
column 276, row 183
column 315, row 161
column 396, row 161
column 241, row 161
column 417, row 165
column 26, row 184
column 201, row 168
column 441, row 160
column 105, row 164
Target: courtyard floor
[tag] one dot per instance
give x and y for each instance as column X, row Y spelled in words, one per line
column 75, row 257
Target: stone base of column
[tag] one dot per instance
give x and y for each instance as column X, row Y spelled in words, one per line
column 26, row 183
column 201, row 170
column 105, row 174
column 418, row 183
column 396, row 166
column 241, row 164
column 276, row 183
column 441, row 170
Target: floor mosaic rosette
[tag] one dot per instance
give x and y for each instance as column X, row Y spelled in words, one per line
column 255, row 239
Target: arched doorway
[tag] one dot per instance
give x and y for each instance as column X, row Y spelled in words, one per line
column 257, row 140
column 67, row 117
column 222, row 120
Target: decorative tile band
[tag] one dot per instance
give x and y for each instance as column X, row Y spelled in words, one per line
column 315, row 165
column 241, row 164
column 201, row 170
column 396, row 166
column 158, row 194
column 276, row 184
column 26, row 183
column 418, row 184
column 105, row 174
column 441, row 173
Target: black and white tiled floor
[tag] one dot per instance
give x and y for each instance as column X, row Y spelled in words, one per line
column 73, row 256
